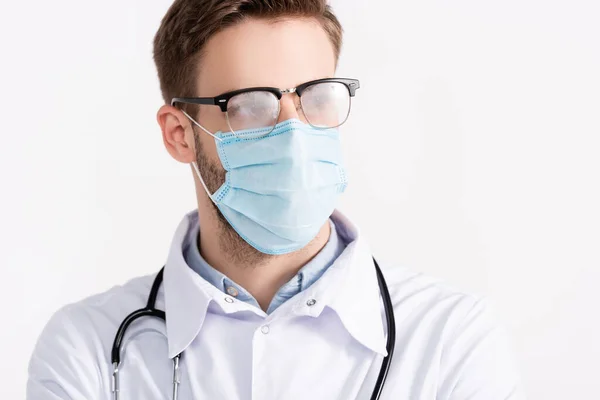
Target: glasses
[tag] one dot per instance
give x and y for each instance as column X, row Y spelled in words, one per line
column 325, row 104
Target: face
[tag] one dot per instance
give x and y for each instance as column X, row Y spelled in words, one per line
column 254, row 53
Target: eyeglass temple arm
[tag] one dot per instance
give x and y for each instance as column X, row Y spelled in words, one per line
column 211, row 101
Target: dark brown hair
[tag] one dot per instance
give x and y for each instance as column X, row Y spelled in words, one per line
column 189, row 24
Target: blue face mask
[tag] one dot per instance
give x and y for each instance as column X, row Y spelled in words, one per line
column 280, row 188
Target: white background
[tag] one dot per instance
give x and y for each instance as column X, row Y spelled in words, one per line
column 472, row 149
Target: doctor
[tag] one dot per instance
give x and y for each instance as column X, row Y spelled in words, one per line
column 268, row 292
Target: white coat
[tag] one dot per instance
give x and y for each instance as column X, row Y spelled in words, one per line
column 327, row 342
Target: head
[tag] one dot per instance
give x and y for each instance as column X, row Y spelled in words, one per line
column 204, row 48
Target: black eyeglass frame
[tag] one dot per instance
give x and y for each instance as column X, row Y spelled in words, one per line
column 223, row 99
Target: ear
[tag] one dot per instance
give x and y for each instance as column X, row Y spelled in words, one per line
column 177, row 134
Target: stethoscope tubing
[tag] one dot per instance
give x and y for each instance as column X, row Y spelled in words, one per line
column 150, row 311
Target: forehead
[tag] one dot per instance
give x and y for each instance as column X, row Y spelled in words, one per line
column 265, row 53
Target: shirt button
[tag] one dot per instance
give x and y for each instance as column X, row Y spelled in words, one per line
column 264, row 329
column 311, row 302
column 232, row 291
column 229, row 299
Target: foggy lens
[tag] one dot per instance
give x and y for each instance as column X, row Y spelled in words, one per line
column 252, row 110
column 326, row 104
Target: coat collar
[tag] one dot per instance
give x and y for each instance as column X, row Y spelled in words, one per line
column 349, row 287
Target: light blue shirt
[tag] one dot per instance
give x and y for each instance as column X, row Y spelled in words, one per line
column 305, row 277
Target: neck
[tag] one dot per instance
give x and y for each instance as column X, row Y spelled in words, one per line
column 260, row 274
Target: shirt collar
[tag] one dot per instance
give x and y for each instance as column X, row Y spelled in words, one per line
column 187, row 294
column 349, row 287
column 198, row 264
column 306, row 276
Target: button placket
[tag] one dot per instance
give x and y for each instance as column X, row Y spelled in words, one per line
column 259, row 367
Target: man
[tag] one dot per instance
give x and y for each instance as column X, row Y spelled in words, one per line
column 268, row 292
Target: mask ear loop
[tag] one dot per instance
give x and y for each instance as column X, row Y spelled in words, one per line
column 194, row 163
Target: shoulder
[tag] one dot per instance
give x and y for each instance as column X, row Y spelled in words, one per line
column 452, row 335
column 431, row 314
column 94, row 315
column 75, row 344
column 86, row 328
column 415, row 293
column 102, row 312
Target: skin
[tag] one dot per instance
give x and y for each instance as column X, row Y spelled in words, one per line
column 253, row 53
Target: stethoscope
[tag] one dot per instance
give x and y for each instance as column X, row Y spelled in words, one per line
column 151, row 311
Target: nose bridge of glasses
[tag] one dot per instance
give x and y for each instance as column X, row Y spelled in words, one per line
column 290, row 106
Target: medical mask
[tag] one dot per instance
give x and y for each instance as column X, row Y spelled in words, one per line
column 281, row 187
